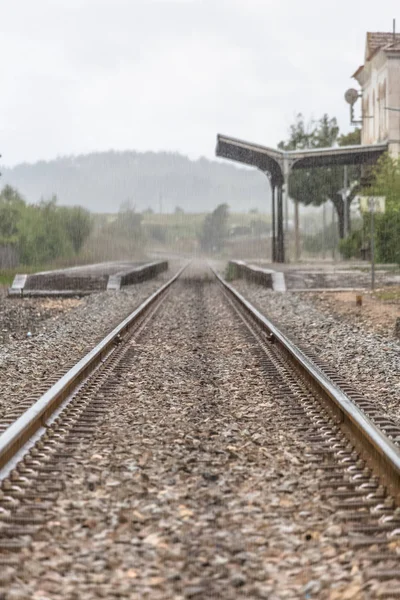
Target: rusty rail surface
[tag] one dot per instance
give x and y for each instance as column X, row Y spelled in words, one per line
column 22, row 430
column 377, row 449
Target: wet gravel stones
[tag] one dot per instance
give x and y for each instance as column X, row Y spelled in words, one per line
column 376, row 313
column 60, row 340
column 193, row 484
column 369, row 360
column 22, row 316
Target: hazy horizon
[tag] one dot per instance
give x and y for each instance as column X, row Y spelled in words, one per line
column 80, row 76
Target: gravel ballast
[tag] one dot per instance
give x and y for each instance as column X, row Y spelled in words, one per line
column 193, row 485
column 40, row 345
column 369, row 360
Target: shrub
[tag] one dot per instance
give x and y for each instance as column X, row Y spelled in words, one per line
column 350, row 247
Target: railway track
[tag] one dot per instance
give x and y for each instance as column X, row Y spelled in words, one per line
column 356, row 465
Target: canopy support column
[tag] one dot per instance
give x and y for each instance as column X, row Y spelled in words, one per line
column 273, row 254
column 280, row 242
column 285, row 166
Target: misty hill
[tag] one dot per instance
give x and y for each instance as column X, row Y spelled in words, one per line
column 102, row 181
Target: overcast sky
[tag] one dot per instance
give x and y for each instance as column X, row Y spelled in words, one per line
column 90, row 75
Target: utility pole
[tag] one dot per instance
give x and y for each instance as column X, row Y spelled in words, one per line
column 372, row 204
column 372, row 212
column 323, row 230
column 297, row 229
column 333, row 231
column 273, row 257
column 345, row 202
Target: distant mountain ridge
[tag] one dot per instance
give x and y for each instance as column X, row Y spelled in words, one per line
column 102, row 181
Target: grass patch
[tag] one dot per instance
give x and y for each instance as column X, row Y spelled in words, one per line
column 6, row 278
column 391, row 295
column 7, row 275
column 380, row 266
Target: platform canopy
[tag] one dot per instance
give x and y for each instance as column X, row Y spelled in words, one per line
column 277, row 164
column 272, row 161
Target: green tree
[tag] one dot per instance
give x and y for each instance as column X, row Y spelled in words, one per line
column 301, row 135
column 353, row 138
column 127, row 227
column 385, row 181
column 259, row 227
column 78, row 224
column 42, row 233
column 12, row 206
column 387, row 231
column 215, row 229
column 129, row 222
column 319, row 184
column 157, row 232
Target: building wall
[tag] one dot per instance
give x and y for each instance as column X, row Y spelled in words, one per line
column 375, row 86
column 394, row 102
column 380, row 82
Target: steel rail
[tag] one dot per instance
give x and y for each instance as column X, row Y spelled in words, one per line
column 22, row 430
column 376, row 448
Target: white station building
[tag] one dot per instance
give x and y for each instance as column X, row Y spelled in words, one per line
column 379, row 78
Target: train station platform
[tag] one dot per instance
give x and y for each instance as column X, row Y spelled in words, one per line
column 85, row 279
column 314, row 276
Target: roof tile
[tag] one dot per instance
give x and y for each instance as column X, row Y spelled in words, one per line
column 379, row 39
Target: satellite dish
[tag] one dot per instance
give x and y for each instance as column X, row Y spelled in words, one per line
column 351, row 96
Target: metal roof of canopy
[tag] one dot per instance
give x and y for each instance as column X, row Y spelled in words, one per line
column 271, row 160
column 342, row 155
column 265, row 159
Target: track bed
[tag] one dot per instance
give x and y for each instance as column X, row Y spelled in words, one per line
column 192, row 478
